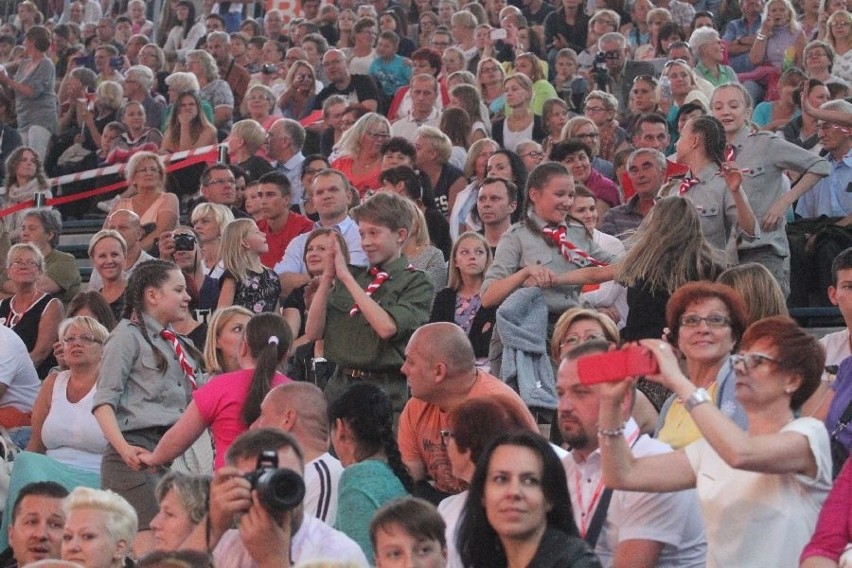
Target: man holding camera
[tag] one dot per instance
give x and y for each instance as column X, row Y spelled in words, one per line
column 266, row 536
column 620, row 72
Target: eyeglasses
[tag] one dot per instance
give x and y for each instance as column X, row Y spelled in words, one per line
column 574, row 339
column 82, row 340
column 587, row 136
column 534, row 154
column 445, row 437
column 229, row 181
column 596, row 109
column 24, row 263
column 147, row 171
column 378, row 135
column 751, row 360
column 713, row 320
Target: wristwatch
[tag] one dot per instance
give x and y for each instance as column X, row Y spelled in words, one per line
column 699, row 396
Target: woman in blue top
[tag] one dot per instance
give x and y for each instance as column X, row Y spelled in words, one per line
column 363, row 438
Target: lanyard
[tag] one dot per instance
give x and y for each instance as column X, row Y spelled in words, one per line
column 588, row 512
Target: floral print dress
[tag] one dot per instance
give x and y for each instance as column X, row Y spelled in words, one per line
column 259, row 292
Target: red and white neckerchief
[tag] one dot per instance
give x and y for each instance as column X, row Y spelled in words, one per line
column 379, row 278
column 730, row 153
column 686, row 184
column 188, row 371
column 586, row 513
column 569, row 250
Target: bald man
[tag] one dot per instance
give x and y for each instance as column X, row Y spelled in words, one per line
column 300, row 409
column 441, row 372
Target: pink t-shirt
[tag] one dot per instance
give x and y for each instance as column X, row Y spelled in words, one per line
column 221, row 402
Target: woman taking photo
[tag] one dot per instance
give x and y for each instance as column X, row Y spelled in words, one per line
column 185, row 35
column 759, row 490
column 107, row 252
column 518, row 511
column 31, row 313
column 188, row 127
column 99, row 528
column 521, row 124
column 230, row 402
column 362, row 436
column 146, row 173
column 780, row 40
column 66, row 442
column 360, row 152
column 706, row 321
column 297, row 101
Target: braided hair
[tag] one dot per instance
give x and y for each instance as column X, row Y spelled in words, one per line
column 712, row 134
column 150, row 274
column 367, row 411
column 268, row 338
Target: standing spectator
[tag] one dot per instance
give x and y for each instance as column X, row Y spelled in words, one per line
column 35, row 91
column 434, row 149
column 246, row 139
column 424, row 94
column 567, row 26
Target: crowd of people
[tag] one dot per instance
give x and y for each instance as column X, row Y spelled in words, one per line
column 468, row 284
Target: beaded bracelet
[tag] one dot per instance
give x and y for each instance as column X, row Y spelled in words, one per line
column 613, row 433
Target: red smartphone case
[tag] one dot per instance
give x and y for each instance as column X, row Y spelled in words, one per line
column 616, row 365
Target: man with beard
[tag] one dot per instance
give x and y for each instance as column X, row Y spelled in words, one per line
column 625, row 528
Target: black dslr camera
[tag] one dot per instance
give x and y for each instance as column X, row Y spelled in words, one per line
column 279, row 490
column 184, row 242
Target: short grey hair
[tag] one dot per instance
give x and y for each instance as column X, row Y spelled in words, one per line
column 223, row 36
column 658, row 156
column 294, row 131
column 28, row 247
column 183, row 81
column 51, row 220
column 191, row 490
column 701, row 37
column 142, row 75
column 838, row 105
column 612, row 37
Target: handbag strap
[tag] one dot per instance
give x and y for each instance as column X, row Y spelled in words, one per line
column 844, row 421
column 596, row 526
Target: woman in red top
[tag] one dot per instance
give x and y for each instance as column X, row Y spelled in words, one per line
column 360, row 148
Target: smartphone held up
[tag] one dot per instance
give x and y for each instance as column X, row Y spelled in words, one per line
column 614, row 366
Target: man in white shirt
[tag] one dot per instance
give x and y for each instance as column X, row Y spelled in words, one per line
column 639, row 530
column 19, row 382
column 300, row 409
column 264, row 538
column 331, row 196
column 284, row 146
column 424, row 93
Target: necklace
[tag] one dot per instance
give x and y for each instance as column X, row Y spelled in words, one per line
column 14, row 316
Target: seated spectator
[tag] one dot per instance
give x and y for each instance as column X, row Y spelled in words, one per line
column 709, row 49
column 829, row 544
column 36, row 517
column 646, row 169
column 99, row 528
column 496, row 203
column 259, row 105
column 602, row 108
column 421, row 253
column 297, row 101
column 838, row 38
column 802, row 130
column 66, row 442
column 576, row 156
column 332, row 123
column 684, row 90
column 230, row 403
column 108, row 254
column 775, row 114
column 486, row 536
column 185, row 35
column 219, row 187
column 388, row 68
column 209, row 221
column 25, row 177
column 423, row 91
column 139, row 135
column 147, row 172
column 587, row 132
column 188, row 127
column 362, row 435
column 470, row 428
column 780, row 39
column 521, row 123
column 434, row 149
column 31, row 313
column 410, row 530
column 183, row 503
column 300, row 409
column 214, row 90
column 343, row 82
column 360, row 152
column 788, row 468
column 230, row 493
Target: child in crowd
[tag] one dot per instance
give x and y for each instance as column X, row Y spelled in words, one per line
column 390, row 70
column 366, row 315
column 246, row 282
column 229, row 403
column 411, row 529
column 145, row 383
column 460, row 302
